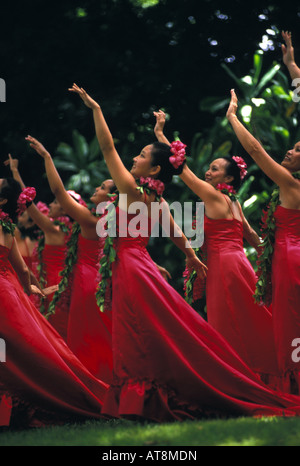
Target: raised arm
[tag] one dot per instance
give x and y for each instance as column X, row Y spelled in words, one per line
column 277, row 173
column 14, row 167
column 159, row 126
column 206, row 192
column 72, row 208
column 288, row 55
column 180, row 240
column 123, row 180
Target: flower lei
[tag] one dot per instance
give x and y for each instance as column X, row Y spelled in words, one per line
column 147, row 185
column 178, row 150
column 6, row 223
column 263, row 290
column 228, row 190
column 25, row 199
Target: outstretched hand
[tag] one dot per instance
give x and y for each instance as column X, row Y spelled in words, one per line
column 37, row 146
column 287, row 49
column 89, row 102
column 13, row 163
column 194, row 263
column 160, row 120
column 233, row 105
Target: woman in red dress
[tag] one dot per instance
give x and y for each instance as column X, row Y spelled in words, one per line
column 88, row 330
column 284, row 264
column 231, row 280
column 49, row 256
column 169, row 363
column 42, row 382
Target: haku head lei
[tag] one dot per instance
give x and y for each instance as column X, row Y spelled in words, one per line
column 242, row 166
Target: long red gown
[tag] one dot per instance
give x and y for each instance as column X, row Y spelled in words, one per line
column 286, row 295
column 53, row 258
column 169, row 363
column 231, row 309
column 89, row 330
column 46, row 382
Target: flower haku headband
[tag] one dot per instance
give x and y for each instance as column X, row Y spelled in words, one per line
column 25, row 199
column 178, row 151
column 242, row 166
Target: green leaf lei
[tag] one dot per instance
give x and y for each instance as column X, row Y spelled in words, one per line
column 263, row 290
column 40, row 267
column 145, row 185
column 70, row 260
column 6, row 223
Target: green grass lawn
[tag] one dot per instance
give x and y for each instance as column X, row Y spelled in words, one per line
column 269, row 431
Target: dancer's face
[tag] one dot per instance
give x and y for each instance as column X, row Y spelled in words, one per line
column 101, row 193
column 142, row 164
column 55, row 210
column 291, row 159
column 24, row 220
column 217, row 173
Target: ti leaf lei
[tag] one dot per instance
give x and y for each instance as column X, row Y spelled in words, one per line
column 263, row 290
column 65, row 228
column 144, row 185
column 6, row 223
column 70, row 260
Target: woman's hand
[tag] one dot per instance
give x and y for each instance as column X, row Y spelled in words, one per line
column 194, row 263
column 89, row 102
column 160, row 121
column 13, row 163
column 233, row 105
column 164, row 272
column 37, row 146
column 287, row 49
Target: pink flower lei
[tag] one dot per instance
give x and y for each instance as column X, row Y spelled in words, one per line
column 25, row 199
column 227, row 189
column 153, row 184
column 242, row 166
column 178, row 151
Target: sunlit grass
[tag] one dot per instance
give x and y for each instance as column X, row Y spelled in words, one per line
column 232, row 432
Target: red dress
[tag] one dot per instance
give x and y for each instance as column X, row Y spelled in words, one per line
column 53, row 258
column 43, row 377
column 169, row 363
column 286, row 293
column 89, row 330
column 231, row 309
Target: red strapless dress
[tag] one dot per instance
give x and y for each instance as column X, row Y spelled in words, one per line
column 89, row 329
column 169, row 363
column 231, row 310
column 286, row 294
column 43, row 377
column 53, row 263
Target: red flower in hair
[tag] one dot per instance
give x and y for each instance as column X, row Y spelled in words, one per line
column 242, row 166
column 26, row 197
